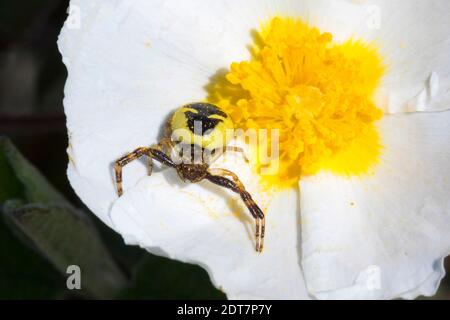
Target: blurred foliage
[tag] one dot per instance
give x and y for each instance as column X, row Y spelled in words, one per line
column 28, row 184
column 41, row 218
column 23, row 274
column 65, row 237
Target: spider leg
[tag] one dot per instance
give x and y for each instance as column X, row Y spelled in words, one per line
column 227, row 173
column 152, row 153
column 219, row 177
column 166, row 145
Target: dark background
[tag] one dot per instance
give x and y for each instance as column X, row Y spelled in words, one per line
column 32, row 79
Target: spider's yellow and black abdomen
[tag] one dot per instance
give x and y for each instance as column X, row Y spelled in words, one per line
column 202, row 124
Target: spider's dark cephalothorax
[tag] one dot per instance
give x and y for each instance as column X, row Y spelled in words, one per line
column 202, row 126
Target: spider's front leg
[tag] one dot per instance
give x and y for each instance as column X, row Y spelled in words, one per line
column 218, row 176
column 152, row 153
column 122, row 162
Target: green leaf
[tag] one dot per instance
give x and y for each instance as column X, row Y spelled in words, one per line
column 43, row 219
column 21, row 180
column 10, row 186
column 24, row 274
column 67, row 238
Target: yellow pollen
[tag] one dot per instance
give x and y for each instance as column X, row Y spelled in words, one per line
column 316, row 92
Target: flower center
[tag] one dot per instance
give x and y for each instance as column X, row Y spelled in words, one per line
column 317, row 93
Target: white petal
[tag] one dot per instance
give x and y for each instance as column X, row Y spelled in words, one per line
column 414, row 40
column 208, row 225
column 383, row 235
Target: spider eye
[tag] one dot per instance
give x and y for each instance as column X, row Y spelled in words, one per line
column 203, row 124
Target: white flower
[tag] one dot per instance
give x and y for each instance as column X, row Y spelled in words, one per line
column 380, row 236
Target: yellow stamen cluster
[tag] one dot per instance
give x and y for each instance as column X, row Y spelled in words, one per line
column 316, row 92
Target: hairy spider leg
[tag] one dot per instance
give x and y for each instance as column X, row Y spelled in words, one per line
column 236, row 186
column 152, row 153
column 166, row 145
column 260, row 229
